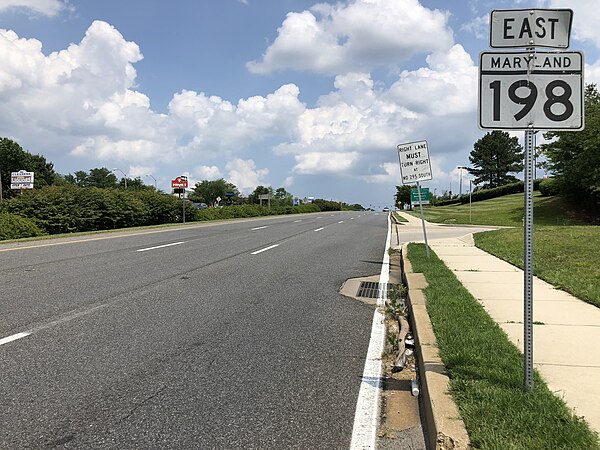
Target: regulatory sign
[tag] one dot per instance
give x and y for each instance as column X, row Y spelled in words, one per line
column 425, row 196
column 539, row 90
column 511, row 28
column 21, row 180
column 414, row 162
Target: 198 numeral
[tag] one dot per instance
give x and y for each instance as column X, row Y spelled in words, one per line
column 528, row 101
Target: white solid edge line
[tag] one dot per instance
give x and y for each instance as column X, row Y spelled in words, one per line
column 258, row 228
column 319, row 229
column 264, row 249
column 159, row 246
column 14, row 337
column 384, row 276
column 364, row 431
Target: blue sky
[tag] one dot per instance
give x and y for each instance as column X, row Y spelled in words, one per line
column 310, row 96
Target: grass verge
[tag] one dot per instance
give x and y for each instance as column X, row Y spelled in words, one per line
column 505, row 211
column 486, row 372
column 566, row 257
column 398, row 217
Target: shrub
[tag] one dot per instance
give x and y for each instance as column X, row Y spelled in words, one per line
column 326, row 205
column 549, row 187
column 16, row 227
column 66, row 209
column 486, row 194
column 448, row 201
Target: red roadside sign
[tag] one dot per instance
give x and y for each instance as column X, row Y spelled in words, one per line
column 179, row 182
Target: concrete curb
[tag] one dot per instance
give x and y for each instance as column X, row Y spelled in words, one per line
column 445, row 429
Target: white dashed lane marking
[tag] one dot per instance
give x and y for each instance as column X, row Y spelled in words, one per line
column 264, row 249
column 159, row 246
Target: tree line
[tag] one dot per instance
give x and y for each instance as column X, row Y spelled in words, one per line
column 96, row 200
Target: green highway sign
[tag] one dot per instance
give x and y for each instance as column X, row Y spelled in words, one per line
column 425, row 196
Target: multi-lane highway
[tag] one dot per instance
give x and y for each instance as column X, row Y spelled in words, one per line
column 227, row 335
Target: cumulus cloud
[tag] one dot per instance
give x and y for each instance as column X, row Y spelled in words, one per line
column 140, row 171
column 48, row 8
column 82, row 101
column 355, row 36
column 207, row 173
column 479, row 26
column 326, row 162
column 445, row 87
column 585, row 20
column 218, row 125
column 592, row 73
column 244, row 174
column 389, row 174
column 355, row 129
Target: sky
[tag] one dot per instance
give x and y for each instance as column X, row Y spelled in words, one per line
column 310, row 96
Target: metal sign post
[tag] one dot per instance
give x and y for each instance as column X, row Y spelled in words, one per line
column 528, row 262
column 185, row 182
column 423, row 219
column 530, row 91
column 415, row 166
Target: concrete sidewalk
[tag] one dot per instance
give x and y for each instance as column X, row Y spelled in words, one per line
column 566, row 342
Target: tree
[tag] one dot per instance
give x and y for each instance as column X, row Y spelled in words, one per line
column 260, row 190
column 283, row 197
column 14, row 158
column 493, row 157
column 99, row 177
column 206, row 191
column 79, row 178
column 402, row 196
column 135, row 184
column 574, row 157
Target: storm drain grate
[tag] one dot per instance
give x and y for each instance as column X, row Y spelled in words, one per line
column 370, row 289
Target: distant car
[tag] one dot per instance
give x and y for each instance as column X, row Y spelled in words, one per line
column 386, row 209
column 199, row 205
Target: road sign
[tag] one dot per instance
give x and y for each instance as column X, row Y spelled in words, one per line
column 530, row 28
column 539, row 90
column 179, row 182
column 425, row 196
column 415, row 165
column 21, row 180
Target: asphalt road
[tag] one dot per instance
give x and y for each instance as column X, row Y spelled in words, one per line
column 195, row 337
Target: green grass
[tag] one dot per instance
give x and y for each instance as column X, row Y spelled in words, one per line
column 398, row 217
column 565, row 252
column 505, row 211
column 486, row 373
column 566, row 257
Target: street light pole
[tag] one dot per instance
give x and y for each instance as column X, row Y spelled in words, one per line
column 124, row 175
column 151, row 176
column 461, row 169
column 470, row 203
